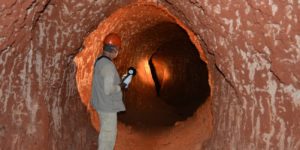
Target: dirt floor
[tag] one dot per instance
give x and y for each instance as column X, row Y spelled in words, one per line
column 188, row 135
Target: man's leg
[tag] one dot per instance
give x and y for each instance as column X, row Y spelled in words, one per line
column 108, row 131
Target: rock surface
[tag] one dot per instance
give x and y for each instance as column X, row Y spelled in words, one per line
column 252, row 49
column 255, row 46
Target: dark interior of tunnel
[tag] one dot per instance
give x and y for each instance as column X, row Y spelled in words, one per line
column 178, row 82
column 211, row 74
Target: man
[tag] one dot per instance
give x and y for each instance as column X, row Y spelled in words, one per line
column 106, row 92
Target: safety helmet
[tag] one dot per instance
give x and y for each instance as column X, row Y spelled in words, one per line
column 113, row 39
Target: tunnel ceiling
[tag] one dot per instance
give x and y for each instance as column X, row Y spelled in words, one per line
column 251, row 49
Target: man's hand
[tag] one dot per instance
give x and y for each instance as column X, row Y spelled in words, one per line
column 123, row 86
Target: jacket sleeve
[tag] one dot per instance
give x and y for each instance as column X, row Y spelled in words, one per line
column 108, row 75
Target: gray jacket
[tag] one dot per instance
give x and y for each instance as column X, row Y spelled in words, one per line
column 106, row 92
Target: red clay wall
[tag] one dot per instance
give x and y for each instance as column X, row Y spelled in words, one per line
column 256, row 47
column 252, row 49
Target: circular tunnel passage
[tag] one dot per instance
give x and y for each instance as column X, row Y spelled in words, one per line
column 169, row 97
column 172, row 80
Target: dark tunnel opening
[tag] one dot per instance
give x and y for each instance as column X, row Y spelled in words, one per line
column 179, row 78
column 188, row 88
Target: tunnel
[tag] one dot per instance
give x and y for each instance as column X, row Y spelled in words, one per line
column 171, row 87
column 210, row 74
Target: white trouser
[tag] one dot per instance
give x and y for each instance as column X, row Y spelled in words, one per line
column 108, row 130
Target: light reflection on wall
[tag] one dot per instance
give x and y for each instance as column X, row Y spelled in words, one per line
column 162, row 70
column 144, row 72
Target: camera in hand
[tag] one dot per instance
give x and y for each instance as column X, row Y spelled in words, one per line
column 126, row 78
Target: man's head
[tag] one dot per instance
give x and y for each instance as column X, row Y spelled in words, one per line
column 111, row 45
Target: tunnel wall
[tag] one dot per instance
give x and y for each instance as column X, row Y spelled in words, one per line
column 40, row 107
column 252, row 49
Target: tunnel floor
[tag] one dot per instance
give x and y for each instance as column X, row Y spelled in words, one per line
column 188, row 134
